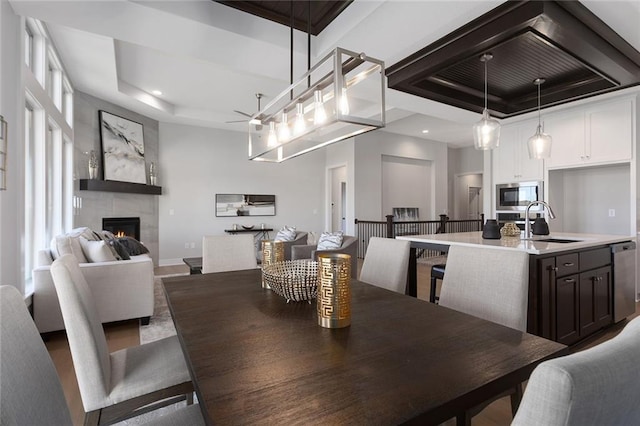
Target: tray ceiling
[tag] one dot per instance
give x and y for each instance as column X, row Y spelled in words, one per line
column 322, row 12
column 563, row 42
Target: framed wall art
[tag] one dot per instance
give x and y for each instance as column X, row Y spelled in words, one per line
column 122, row 149
column 245, row 205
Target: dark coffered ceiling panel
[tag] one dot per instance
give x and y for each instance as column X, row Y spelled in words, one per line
column 562, row 42
column 322, row 12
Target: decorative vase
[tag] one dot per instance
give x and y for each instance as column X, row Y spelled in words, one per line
column 272, row 252
column 510, row 229
column 152, row 174
column 334, row 290
column 540, row 227
column 93, row 165
column 491, row 230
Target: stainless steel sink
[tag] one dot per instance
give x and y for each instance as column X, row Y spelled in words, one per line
column 557, row 240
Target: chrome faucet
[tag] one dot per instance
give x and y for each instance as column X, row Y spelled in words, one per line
column 527, row 221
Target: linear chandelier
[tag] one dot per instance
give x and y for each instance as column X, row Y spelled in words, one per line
column 340, row 97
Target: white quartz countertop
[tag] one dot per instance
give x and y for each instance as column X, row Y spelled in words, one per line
column 532, row 246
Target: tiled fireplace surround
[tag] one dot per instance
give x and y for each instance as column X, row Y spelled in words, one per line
column 96, row 204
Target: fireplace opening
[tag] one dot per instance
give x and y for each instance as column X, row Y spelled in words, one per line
column 122, row 226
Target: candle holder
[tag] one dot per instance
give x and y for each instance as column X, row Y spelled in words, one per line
column 272, row 252
column 334, row 290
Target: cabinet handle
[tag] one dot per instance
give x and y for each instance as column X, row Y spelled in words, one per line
column 568, row 264
column 553, row 268
column 569, row 280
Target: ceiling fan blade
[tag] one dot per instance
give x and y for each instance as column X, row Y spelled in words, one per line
column 242, row 113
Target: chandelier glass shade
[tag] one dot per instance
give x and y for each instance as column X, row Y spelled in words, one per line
column 340, row 97
column 540, row 143
column 486, row 132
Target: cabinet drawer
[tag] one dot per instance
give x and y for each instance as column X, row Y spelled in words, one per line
column 567, row 264
column 595, row 258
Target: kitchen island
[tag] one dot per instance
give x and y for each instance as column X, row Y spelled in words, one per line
column 571, row 287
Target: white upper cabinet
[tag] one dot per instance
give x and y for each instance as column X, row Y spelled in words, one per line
column 599, row 134
column 511, row 162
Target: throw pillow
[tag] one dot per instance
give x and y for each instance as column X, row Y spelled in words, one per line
column 107, row 237
column 287, row 233
column 330, row 240
column 96, row 251
column 133, row 246
column 120, row 249
column 64, row 244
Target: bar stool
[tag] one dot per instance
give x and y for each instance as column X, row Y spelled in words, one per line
column 437, row 272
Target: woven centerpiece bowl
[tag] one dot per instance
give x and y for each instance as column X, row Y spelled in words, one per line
column 295, row 280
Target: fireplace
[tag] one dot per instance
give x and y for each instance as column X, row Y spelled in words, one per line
column 122, row 226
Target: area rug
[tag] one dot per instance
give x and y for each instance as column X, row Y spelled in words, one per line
column 160, row 324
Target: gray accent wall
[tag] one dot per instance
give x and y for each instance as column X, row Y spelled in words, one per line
column 94, row 205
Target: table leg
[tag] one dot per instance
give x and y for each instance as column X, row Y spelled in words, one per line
column 412, row 275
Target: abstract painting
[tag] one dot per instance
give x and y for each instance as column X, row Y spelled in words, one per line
column 245, row 205
column 122, row 149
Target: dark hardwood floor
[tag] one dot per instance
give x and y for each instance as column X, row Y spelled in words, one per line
column 126, row 333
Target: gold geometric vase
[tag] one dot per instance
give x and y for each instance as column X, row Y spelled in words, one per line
column 334, row 290
column 272, row 252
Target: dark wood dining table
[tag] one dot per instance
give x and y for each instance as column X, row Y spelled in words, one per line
column 256, row 359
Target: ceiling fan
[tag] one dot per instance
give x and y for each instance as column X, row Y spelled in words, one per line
column 258, row 126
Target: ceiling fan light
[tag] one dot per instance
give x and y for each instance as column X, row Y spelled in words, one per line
column 486, row 132
column 539, row 145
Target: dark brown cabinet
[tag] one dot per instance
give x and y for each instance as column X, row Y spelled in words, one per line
column 574, row 294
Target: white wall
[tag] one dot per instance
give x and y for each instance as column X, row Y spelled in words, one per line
column 337, row 155
column 11, row 107
column 582, row 198
column 197, row 163
column 463, row 162
column 398, row 174
column 369, row 149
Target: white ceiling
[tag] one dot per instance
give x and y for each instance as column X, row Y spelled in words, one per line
column 209, row 59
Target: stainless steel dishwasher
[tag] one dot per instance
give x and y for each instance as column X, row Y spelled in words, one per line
column 623, row 256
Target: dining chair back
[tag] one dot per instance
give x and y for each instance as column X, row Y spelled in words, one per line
column 386, row 264
column 114, row 386
column 487, row 283
column 31, row 390
column 597, row 386
column 228, row 253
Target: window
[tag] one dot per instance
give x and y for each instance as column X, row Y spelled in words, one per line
column 48, row 145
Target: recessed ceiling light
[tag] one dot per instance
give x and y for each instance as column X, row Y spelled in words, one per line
column 425, row 131
column 156, row 92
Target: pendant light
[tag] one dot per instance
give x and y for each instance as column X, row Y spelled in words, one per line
column 540, row 143
column 486, row 132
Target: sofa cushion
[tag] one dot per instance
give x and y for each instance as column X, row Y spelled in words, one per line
column 287, row 233
column 330, row 240
column 96, row 251
column 133, row 246
column 65, row 244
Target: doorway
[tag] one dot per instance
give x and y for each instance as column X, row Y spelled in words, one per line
column 467, row 196
column 338, row 197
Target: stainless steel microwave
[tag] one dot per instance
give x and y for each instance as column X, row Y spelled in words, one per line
column 517, row 196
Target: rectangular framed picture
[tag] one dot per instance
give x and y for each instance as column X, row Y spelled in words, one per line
column 405, row 214
column 245, row 205
column 122, row 149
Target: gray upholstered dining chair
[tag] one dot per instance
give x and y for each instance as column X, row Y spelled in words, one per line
column 123, row 384
column 477, row 282
column 33, row 393
column 386, row 264
column 228, row 253
column 310, row 251
column 597, row 386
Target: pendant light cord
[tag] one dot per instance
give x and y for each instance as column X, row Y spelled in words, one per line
column 539, row 83
column 485, row 82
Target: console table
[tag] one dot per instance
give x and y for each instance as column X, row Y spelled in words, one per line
column 260, row 233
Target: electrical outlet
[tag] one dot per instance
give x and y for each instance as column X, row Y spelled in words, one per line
column 193, row 245
column 612, row 212
column 186, row 245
